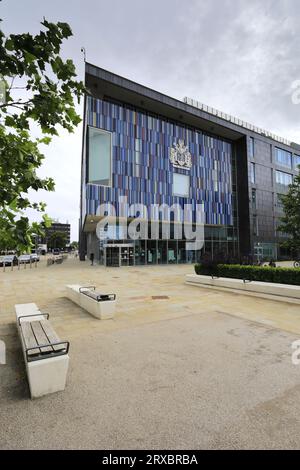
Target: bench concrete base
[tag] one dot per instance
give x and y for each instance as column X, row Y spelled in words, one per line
column 45, row 375
column 73, row 293
column 100, row 310
column 283, row 290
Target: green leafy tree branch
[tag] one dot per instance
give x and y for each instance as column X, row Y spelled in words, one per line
column 49, row 91
column 290, row 222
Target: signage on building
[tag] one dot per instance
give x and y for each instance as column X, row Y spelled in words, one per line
column 180, row 156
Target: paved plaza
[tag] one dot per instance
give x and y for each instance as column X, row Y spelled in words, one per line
column 179, row 367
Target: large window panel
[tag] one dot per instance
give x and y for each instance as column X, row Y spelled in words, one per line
column 296, row 161
column 283, row 157
column 99, row 158
column 283, row 178
column 251, row 147
column 181, row 185
column 252, row 173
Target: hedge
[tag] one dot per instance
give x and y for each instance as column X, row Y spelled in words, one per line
column 253, row 273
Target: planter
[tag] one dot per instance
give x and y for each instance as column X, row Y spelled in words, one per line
column 283, row 290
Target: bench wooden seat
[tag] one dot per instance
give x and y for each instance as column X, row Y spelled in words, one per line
column 41, row 341
column 46, row 356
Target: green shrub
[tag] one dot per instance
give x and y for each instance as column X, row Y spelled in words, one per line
column 252, row 273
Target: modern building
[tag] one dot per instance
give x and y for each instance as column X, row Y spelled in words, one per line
column 152, row 149
column 58, row 227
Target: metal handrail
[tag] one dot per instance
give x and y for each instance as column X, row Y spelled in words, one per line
column 100, row 297
column 47, row 354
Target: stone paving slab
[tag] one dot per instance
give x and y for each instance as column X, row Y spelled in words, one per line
column 202, row 369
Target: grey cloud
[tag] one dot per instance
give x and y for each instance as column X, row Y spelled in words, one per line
column 238, row 56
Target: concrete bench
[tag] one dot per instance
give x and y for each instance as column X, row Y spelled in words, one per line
column 46, row 356
column 101, row 306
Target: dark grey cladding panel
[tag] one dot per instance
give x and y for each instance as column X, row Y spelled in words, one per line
column 264, row 150
column 225, row 128
column 158, row 102
column 263, row 176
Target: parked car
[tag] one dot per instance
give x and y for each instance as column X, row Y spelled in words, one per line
column 7, row 260
column 56, row 251
column 24, row 259
column 34, row 257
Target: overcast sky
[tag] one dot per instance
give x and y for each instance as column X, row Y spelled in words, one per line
column 238, row 56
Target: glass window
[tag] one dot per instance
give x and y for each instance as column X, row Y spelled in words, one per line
column 138, row 158
column 283, row 178
column 253, row 197
column 255, row 225
column 283, row 158
column 152, row 252
column 251, row 147
column 296, row 160
column 181, row 185
column 140, row 252
column 162, row 251
column 182, row 258
column 172, row 251
column 252, row 174
column 99, row 159
column 279, row 200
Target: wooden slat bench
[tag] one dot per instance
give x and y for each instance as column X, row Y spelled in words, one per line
column 46, row 356
column 100, row 305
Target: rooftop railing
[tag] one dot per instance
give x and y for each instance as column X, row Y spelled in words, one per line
column 234, row 120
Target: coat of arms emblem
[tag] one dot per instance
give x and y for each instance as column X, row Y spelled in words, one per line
column 180, row 155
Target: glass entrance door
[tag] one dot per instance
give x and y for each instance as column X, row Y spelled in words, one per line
column 112, row 256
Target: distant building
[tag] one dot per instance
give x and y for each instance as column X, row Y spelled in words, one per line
column 58, row 227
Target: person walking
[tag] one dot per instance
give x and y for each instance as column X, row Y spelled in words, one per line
column 92, row 259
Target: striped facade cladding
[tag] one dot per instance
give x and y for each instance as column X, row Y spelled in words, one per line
column 142, row 171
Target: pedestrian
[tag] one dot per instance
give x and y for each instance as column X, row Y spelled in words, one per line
column 92, row 259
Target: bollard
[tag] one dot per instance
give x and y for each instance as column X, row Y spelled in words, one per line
column 36, row 263
column 30, row 263
column 12, row 266
column 18, row 265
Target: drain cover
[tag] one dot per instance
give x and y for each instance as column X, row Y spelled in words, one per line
column 160, row 297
